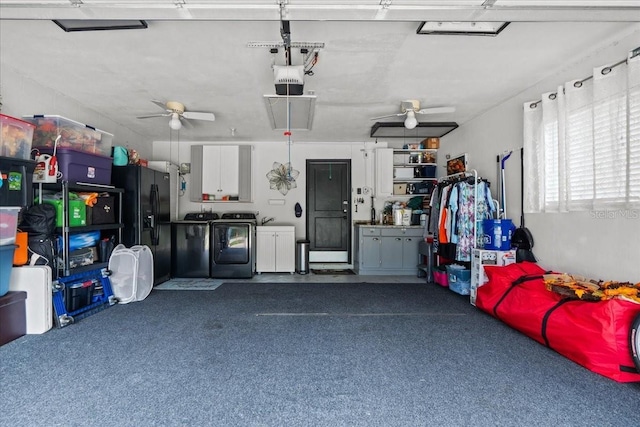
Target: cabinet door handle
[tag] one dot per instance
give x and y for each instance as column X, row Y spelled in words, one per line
column 398, row 238
column 375, row 238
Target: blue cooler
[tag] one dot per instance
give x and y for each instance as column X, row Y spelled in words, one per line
column 496, row 234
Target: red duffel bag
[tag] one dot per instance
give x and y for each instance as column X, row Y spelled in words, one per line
column 592, row 334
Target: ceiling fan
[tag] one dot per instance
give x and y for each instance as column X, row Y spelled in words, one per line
column 178, row 115
column 411, row 107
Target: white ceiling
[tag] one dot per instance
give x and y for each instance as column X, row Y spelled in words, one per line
column 372, row 58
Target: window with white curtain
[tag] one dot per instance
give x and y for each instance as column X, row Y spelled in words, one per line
column 582, row 142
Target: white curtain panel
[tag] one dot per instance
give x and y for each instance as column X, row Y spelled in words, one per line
column 582, row 143
column 633, row 65
column 579, row 177
column 610, row 136
column 533, row 158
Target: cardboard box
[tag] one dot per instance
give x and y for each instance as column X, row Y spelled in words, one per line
column 481, row 258
column 432, row 143
column 400, row 189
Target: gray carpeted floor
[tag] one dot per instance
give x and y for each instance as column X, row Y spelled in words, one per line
column 305, row 354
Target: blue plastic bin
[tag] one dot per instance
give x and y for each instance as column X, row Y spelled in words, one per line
column 6, row 265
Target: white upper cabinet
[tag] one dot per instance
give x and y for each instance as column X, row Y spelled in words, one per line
column 221, row 173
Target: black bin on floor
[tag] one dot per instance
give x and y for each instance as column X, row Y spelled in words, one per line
column 302, row 256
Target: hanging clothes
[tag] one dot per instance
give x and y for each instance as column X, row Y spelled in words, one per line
column 469, row 216
column 460, row 217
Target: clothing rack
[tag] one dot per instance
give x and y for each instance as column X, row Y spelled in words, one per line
column 462, row 176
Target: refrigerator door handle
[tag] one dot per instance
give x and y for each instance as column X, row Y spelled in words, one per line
column 154, row 212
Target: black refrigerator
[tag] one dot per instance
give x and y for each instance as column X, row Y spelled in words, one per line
column 146, row 213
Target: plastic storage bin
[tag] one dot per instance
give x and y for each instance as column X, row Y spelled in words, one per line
column 459, row 279
column 428, row 171
column 73, row 134
column 440, row 276
column 8, row 224
column 6, row 266
column 16, row 137
column 17, row 177
column 78, row 295
column 78, row 166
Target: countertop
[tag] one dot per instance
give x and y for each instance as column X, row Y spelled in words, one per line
column 387, row 225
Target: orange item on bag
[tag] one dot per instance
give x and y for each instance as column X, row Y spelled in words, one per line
column 21, row 255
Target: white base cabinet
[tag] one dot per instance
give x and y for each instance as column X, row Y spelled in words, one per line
column 275, row 249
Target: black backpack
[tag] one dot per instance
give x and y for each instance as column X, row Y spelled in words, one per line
column 40, row 222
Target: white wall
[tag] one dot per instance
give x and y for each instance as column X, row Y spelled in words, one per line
column 22, row 96
column 599, row 245
column 264, row 154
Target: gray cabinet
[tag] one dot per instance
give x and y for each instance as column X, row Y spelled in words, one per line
column 387, row 250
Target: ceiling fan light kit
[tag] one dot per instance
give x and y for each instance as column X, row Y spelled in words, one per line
column 175, row 123
column 410, row 122
column 410, row 108
column 176, row 111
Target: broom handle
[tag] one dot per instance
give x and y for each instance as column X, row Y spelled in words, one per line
column 522, row 187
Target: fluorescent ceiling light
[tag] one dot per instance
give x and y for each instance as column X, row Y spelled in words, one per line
column 70, row 25
column 462, row 28
column 290, row 112
column 422, row 130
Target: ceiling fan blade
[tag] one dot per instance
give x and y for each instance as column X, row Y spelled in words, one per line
column 390, row 115
column 186, row 123
column 436, row 110
column 160, row 104
column 154, row 115
column 197, row 115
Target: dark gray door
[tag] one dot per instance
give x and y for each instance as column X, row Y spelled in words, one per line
column 329, row 210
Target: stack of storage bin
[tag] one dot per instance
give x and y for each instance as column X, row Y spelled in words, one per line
column 16, row 192
column 13, row 319
column 8, row 228
column 16, row 166
column 83, row 152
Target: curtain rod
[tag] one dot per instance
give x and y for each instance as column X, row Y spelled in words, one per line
column 578, row 83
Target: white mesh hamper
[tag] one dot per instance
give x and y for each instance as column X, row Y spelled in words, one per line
column 123, row 264
column 144, row 282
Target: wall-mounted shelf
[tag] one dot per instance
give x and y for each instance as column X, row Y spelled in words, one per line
column 422, row 130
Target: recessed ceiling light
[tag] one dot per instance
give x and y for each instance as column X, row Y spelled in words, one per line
column 70, row 25
column 462, row 28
